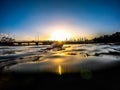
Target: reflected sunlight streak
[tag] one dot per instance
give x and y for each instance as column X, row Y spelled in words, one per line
column 59, row 70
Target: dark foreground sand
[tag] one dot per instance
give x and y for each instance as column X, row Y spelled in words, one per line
column 107, row 79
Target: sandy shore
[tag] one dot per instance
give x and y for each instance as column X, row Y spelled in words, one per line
column 64, row 69
column 103, row 79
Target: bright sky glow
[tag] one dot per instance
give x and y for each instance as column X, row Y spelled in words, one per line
column 25, row 19
column 60, row 35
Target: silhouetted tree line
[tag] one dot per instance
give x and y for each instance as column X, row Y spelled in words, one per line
column 7, row 39
column 114, row 38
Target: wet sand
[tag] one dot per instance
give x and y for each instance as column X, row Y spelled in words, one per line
column 100, row 80
column 75, row 67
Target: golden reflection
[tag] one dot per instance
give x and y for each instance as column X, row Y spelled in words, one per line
column 59, row 70
column 58, row 61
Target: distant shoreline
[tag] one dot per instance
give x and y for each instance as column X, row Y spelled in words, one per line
column 49, row 43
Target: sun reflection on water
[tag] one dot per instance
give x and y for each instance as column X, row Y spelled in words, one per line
column 59, row 70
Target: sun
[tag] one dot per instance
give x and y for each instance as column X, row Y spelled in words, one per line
column 60, row 35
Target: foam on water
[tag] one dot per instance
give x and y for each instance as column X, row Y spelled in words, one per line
column 72, row 58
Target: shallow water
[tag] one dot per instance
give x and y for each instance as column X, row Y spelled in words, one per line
column 72, row 58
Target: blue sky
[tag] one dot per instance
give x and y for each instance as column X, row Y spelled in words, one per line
column 26, row 18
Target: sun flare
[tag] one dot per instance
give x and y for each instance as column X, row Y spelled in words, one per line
column 60, row 35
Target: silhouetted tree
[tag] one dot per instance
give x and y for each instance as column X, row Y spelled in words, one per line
column 108, row 38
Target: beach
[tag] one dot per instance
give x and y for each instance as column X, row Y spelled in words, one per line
column 84, row 66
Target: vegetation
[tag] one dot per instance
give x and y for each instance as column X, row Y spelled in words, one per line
column 114, row 38
column 6, row 38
